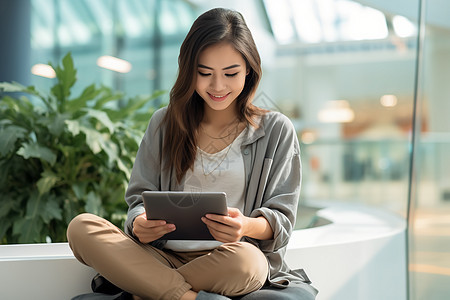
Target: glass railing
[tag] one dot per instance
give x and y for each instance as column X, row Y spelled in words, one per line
column 373, row 172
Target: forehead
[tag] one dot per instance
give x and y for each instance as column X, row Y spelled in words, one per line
column 220, row 55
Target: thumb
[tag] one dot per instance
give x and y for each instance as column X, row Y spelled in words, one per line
column 233, row 212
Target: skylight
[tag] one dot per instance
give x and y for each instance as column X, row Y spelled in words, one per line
column 316, row 21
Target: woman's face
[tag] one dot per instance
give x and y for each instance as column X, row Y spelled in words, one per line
column 221, row 75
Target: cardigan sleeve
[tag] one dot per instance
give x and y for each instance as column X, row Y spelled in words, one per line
column 279, row 184
column 146, row 173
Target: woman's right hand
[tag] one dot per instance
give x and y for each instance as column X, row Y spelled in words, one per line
column 150, row 230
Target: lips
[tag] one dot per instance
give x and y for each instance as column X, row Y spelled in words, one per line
column 218, row 98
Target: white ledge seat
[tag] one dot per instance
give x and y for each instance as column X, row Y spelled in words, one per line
column 360, row 255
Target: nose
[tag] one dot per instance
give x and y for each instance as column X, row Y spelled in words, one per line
column 217, row 83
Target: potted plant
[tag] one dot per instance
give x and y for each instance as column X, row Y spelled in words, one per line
column 61, row 155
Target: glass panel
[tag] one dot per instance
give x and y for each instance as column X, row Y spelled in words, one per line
column 429, row 237
column 349, row 86
column 144, row 33
column 352, row 102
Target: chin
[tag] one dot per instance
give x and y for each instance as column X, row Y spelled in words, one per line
column 218, row 106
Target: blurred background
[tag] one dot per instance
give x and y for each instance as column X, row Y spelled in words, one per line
column 366, row 84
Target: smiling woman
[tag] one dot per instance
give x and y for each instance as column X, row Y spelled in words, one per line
column 210, row 138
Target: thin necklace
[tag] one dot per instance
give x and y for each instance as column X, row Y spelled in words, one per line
column 221, row 137
column 221, row 161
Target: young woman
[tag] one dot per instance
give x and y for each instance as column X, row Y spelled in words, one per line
column 209, row 138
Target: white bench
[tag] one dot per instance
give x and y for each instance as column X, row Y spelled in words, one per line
column 361, row 255
column 41, row 272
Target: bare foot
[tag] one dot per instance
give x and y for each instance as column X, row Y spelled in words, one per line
column 189, row 295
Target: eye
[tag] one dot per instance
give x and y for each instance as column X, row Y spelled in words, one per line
column 203, row 74
column 232, row 75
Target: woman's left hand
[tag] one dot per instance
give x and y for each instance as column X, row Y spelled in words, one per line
column 227, row 229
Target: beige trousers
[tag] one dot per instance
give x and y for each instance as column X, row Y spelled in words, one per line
column 232, row 269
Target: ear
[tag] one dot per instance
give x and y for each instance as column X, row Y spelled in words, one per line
column 248, row 71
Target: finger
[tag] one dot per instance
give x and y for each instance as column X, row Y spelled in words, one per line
column 154, row 230
column 225, row 220
column 161, row 230
column 233, row 212
column 152, row 223
column 216, row 218
column 213, row 224
column 223, row 237
column 146, row 235
column 220, row 230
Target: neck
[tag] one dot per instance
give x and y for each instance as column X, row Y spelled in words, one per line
column 221, row 118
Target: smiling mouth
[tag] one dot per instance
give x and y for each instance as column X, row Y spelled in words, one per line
column 218, row 97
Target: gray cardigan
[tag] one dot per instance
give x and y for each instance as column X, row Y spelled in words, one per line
column 273, row 174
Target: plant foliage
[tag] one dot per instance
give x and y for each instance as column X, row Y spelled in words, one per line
column 62, row 155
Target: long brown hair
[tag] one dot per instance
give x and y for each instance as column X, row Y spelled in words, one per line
column 186, row 107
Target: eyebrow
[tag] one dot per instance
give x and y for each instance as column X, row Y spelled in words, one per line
column 226, row 68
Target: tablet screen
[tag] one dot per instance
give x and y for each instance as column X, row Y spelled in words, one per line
column 185, row 210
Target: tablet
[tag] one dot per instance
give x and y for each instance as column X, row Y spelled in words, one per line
column 184, row 209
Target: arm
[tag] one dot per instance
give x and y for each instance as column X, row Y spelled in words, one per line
column 275, row 190
column 259, row 228
column 146, row 171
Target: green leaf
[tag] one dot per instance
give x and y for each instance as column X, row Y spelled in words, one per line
column 98, row 142
column 35, row 205
column 107, row 96
column 132, row 107
column 73, row 126
column 93, row 139
column 111, row 149
column 93, row 203
column 22, row 105
column 66, row 79
column 5, row 225
column 7, row 205
column 29, row 228
column 123, row 168
column 52, row 210
column 35, row 150
column 142, row 117
column 5, row 166
column 56, row 124
column 29, row 231
column 9, row 137
column 69, row 75
column 12, row 87
column 47, row 181
column 79, row 189
column 88, row 93
column 102, row 117
column 136, row 103
column 71, row 208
